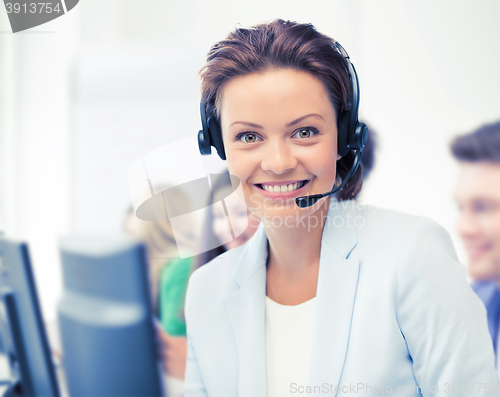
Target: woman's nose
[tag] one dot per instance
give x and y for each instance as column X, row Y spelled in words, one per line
column 278, row 158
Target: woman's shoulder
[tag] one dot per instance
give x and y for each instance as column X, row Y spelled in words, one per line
column 391, row 223
column 419, row 244
column 209, row 285
column 216, row 273
column 405, row 238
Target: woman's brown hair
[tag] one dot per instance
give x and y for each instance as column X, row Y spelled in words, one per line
column 275, row 45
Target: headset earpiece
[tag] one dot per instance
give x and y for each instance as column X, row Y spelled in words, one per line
column 210, row 135
column 216, row 136
column 204, row 142
column 360, row 136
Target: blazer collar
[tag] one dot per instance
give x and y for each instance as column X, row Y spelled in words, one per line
column 340, row 226
column 337, row 283
column 339, row 233
column 253, row 257
column 245, row 307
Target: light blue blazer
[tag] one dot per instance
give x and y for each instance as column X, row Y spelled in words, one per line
column 393, row 309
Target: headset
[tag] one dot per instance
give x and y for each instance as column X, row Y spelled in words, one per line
column 351, row 134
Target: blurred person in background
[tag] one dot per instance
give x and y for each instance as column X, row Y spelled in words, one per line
column 175, row 276
column 478, row 197
column 160, row 242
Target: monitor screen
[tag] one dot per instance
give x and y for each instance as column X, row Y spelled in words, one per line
column 105, row 318
column 23, row 333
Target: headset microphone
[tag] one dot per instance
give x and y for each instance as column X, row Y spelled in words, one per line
column 307, row 201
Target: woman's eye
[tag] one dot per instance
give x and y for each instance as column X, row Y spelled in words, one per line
column 248, row 137
column 305, row 133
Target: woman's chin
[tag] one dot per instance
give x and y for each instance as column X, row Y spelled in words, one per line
column 297, row 218
column 281, row 212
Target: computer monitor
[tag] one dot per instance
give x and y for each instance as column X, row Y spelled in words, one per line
column 105, row 318
column 23, row 332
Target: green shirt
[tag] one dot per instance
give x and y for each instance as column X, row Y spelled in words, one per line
column 173, row 285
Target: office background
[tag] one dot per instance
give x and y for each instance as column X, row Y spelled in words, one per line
column 85, row 95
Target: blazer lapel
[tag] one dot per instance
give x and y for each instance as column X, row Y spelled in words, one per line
column 246, row 310
column 337, row 283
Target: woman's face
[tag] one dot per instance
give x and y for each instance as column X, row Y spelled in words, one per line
column 280, row 136
column 242, row 222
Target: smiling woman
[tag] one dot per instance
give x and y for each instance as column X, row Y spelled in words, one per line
column 293, row 148
column 332, row 295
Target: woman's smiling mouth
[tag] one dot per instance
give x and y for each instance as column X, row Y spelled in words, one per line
column 285, row 189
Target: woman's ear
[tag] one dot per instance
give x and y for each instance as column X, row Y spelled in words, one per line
column 338, row 157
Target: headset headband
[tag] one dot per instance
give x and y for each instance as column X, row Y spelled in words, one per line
column 351, row 134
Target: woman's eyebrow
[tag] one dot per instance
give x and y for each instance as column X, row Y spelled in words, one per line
column 304, row 117
column 288, row 125
column 246, row 123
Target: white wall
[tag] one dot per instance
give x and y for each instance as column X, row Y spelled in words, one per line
column 36, row 136
column 129, row 101
column 80, row 104
column 429, row 72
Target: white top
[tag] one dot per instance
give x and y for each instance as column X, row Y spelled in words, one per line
column 289, row 332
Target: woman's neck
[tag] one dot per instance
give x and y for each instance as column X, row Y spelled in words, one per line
column 295, row 250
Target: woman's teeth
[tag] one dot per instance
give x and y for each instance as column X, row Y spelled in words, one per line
column 283, row 188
